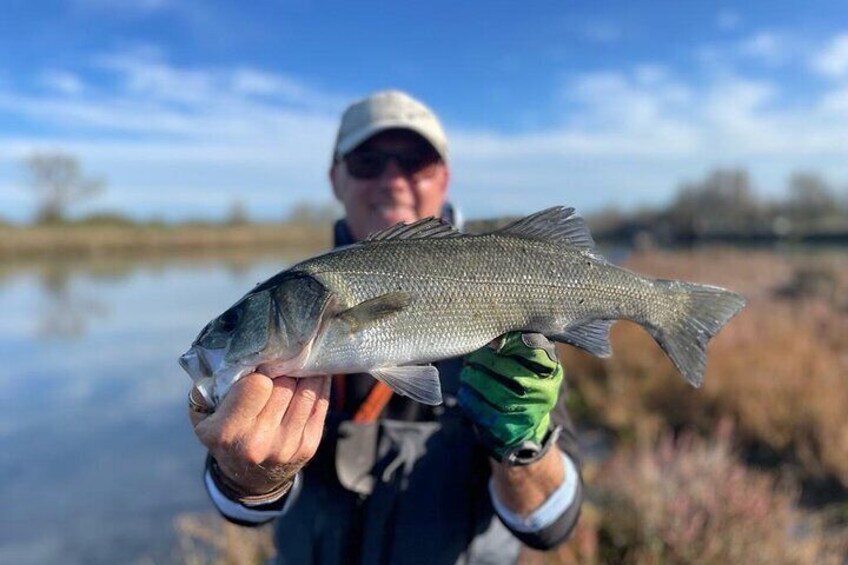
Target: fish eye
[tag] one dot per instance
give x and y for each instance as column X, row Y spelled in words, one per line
column 229, row 319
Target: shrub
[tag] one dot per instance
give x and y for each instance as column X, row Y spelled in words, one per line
column 690, row 501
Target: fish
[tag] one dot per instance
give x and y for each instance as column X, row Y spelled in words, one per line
column 414, row 294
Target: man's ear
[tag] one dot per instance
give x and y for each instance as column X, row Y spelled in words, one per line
column 447, row 179
column 333, row 173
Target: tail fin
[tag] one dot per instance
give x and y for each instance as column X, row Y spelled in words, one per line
column 696, row 314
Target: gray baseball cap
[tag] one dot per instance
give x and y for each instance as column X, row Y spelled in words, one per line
column 389, row 109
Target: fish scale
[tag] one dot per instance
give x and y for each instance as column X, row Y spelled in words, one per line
column 413, row 295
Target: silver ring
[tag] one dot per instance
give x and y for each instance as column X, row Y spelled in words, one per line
column 199, row 407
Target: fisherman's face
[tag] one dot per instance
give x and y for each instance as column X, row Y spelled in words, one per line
column 395, row 176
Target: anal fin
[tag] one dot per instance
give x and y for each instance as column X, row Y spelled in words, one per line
column 419, row 382
column 592, row 336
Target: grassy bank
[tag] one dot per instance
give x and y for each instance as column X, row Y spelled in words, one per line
column 65, row 240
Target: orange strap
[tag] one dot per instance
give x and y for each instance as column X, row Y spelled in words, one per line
column 371, row 407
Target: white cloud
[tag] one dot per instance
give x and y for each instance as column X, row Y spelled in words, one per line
column 187, row 141
column 165, row 133
column 629, row 137
column 835, row 103
column 153, row 97
column 770, row 47
column 832, row 60
column 763, row 48
column 650, row 73
column 62, row 82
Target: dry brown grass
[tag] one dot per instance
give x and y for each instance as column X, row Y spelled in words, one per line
column 207, row 539
column 779, row 370
column 62, row 241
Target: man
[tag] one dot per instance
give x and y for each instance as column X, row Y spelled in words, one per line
column 392, row 480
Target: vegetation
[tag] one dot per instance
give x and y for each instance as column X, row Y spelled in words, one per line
column 119, row 239
column 725, row 206
column 57, row 181
column 689, row 500
column 209, row 539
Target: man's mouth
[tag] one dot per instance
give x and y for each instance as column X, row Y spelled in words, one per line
column 395, row 212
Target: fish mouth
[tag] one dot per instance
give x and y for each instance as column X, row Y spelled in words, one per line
column 212, row 376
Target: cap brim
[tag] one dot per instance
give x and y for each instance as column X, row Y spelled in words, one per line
column 353, row 140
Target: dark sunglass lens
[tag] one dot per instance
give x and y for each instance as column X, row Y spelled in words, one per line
column 411, row 162
column 366, row 165
column 416, row 162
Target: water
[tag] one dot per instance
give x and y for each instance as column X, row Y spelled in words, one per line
column 98, row 456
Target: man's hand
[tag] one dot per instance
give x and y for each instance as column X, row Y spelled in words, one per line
column 508, row 390
column 265, row 430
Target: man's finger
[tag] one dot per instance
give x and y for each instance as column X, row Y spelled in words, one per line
column 278, row 402
column 293, row 425
column 315, row 423
column 246, row 398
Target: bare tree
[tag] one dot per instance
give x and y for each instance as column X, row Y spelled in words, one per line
column 58, row 182
column 238, row 215
column 723, row 201
column 811, row 198
column 314, row 213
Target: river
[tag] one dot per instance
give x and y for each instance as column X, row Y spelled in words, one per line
column 98, row 457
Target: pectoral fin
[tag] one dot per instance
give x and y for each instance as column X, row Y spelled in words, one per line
column 368, row 312
column 419, row 382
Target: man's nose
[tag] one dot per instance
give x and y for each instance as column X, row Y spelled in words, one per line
column 393, row 175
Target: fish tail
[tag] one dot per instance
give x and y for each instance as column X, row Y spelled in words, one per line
column 693, row 314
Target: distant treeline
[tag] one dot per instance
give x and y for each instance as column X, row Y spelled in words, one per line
column 301, row 214
column 725, row 207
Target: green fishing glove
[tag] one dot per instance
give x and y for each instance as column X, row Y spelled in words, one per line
column 508, row 392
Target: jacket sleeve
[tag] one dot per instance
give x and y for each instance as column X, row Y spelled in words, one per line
column 241, row 513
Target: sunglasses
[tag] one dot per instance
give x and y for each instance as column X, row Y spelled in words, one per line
column 370, row 164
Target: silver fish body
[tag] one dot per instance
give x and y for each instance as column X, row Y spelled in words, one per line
column 415, row 294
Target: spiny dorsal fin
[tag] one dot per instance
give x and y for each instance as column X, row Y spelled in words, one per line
column 422, row 229
column 554, row 224
column 365, row 313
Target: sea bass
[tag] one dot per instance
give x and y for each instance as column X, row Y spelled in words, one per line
column 418, row 293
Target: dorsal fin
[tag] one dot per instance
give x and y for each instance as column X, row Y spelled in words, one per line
column 425, row 228
column 559, row 224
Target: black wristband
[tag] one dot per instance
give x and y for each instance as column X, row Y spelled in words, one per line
column 226, row 487
column 529, row 451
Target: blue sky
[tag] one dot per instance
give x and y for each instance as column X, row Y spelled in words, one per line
column 187, row 106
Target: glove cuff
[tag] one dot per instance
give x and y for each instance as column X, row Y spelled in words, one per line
column 530, row 451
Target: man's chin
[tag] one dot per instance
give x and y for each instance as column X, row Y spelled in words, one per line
column 388, row 219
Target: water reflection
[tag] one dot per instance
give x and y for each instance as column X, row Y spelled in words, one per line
column 98, row 456
column 64, row 312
